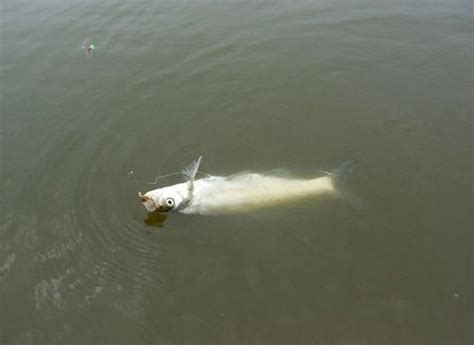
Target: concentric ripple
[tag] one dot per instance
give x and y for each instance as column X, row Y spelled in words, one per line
column 251, row 85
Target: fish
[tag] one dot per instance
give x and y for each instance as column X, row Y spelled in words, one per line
column 242, row 192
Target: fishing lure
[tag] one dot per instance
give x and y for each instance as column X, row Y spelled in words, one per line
column 87, row 47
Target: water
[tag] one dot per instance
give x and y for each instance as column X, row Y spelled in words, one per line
column 251, row 85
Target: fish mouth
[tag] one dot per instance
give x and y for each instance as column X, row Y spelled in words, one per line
column 148, row 202
column 151, row 205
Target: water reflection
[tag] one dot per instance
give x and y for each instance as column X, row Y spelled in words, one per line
column 155, row 219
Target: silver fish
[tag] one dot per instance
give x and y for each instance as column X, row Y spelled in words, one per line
column 213, row 195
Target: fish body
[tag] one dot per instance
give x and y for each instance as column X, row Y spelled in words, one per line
column 213, row 195
column 245, row 192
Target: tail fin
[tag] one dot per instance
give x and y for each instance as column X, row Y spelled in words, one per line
column 340, row 178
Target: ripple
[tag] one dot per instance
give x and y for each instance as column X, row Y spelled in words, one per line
column 243, row 83
column 5, row 267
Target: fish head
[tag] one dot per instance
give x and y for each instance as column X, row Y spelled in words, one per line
column 161, row 200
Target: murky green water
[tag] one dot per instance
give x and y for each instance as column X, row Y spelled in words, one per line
column 251, row 85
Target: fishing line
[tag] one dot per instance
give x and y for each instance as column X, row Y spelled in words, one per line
column 131, row 174
column 169, row 152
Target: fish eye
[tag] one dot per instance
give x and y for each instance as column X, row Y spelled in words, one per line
column 169, row 202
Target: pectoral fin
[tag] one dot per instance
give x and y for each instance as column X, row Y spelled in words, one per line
column 189, row 174
column 191, row 170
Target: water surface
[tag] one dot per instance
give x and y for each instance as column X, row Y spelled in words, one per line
column 251, row 85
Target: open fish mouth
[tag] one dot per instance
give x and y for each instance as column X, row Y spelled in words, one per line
column 148, row 202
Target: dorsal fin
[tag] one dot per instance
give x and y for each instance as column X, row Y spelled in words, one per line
column 191, row 170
